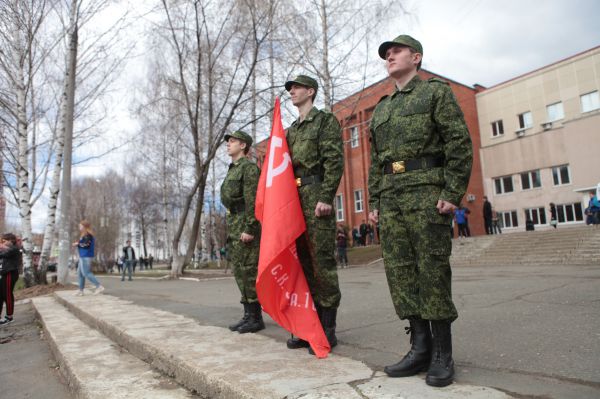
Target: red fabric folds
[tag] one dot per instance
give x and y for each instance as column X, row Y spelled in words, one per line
column 281, row 285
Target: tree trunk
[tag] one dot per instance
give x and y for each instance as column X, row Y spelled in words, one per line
column 23, row 180
column 54, row 188
column 326, row 74
column 65, row 192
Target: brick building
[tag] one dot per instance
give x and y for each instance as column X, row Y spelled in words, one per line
column 354, row 114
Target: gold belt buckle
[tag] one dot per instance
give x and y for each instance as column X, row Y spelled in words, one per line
column 398, row 167
column 298, row 181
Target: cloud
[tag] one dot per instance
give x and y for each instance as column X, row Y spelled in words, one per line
column 488, row 42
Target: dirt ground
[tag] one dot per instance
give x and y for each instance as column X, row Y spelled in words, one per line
column 38, row 290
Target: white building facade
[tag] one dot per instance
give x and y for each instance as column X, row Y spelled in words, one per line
column 540, row 142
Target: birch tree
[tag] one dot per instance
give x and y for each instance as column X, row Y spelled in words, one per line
column 22, row 54
column 200, row 35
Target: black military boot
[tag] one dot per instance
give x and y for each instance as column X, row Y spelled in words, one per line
column 441, row 369
column 255, row 321
column 328, row 321
column 244, row 319
column 419, row 356
column 297, row 343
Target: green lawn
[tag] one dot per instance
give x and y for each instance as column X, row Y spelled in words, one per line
column 363, row 255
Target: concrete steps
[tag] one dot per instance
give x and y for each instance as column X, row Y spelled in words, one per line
column 93, row 365
column 210, row 362
column 575, row 245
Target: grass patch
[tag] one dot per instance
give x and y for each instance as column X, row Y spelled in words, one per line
column 20, row 284
column 363, row 255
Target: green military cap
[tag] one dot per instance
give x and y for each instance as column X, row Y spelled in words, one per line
column 302, row 80
column 238, row 134
column 402, row 40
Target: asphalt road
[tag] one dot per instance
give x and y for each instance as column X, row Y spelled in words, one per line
column 531, row 331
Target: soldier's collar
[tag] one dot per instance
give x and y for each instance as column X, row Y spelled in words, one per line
column 409, row 86
column 236, row 163
column 311, row 115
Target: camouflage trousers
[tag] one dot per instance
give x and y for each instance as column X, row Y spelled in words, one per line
column 244, row 263
column 416, row 253
column 316, row 250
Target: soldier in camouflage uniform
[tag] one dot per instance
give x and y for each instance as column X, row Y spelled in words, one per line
column 315, row 145
column 421, row 158
column 238, row 194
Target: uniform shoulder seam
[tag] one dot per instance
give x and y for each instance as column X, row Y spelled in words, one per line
column 438, row 80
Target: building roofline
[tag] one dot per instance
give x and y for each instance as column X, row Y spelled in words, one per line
column 543, row 67
column 386, row 78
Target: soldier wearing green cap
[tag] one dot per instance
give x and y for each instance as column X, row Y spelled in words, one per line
column 421, row 157
column 315, row 144
column 238, row 194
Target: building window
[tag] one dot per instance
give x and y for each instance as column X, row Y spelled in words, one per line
column 569, row 213
column 358, row 201
column 590, row 101
column 525, row 120
column 531, row 180
column 354, row 136
column 339, row 208
column 555, row 112
column 537, row 215
column 504, row 185
column 561, row 175
column 497, row 128
column 508, row 219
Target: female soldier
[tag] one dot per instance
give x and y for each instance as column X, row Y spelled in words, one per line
column 238, row 194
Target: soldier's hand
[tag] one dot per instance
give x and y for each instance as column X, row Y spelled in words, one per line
column 323, row 209
column 445, row 207
column 245, row 237
column 374, row 216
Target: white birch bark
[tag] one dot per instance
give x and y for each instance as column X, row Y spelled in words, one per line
column 55, row 184
column 23, row 180
column 65, row 194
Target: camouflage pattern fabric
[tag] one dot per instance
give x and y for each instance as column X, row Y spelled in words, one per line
column 315, row 146
column 238, row 194
column 422, row 120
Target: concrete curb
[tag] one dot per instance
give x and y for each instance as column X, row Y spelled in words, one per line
column 92, row 365
column 219, row 364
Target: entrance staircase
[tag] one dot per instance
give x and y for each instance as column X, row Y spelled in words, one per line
column 578, row 245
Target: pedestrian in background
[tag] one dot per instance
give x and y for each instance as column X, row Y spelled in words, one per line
column 553, row 220
column 495, row 222
column 85, row 247
column 238, row 194
column 487, row 215
column 128, row 260
column 421, row 155
column 10, row 261
column 342, row 245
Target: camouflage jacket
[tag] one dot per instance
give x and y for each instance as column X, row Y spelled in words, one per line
column 315, row 146
column 238, row 194
column 421, row 120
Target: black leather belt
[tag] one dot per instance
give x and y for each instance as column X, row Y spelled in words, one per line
column 238, row 208
column 304, row 181
column 413, row 164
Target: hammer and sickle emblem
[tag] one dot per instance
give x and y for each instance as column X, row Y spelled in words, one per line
column 272, row 172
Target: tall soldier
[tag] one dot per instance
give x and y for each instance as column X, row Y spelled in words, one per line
column 421, row 160
column 238, row 194
column 315, row 144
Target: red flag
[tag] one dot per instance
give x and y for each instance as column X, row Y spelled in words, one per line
column 281, row 285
